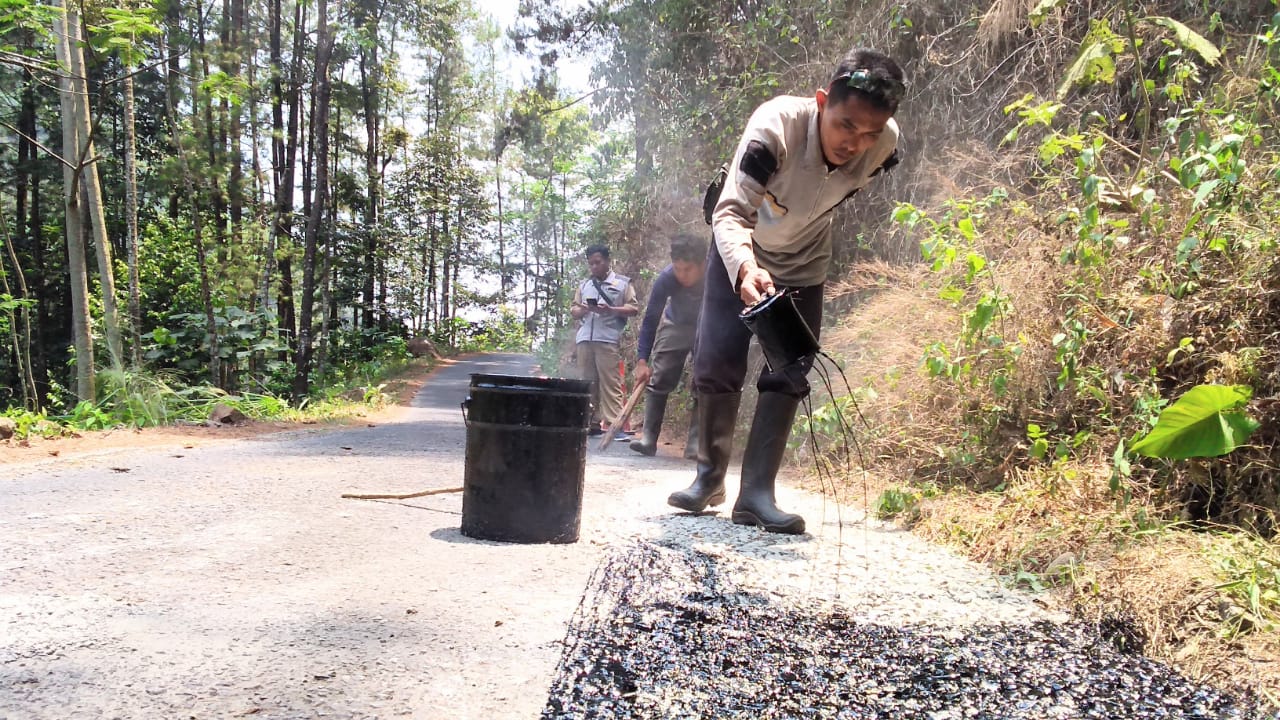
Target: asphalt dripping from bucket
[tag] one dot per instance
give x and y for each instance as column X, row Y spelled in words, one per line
column 662, row 634
column 824, row 461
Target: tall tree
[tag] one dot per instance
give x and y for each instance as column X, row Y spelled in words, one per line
column 126, row 26
column 323, row 92
column 66, row 36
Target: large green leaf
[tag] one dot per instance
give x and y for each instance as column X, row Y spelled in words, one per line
column 1205, row 422
column 1189, row 39
column 1094, row 64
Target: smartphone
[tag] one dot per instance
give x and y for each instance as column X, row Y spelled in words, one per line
column 593, row 301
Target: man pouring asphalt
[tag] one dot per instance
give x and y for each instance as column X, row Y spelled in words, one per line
column 798, row 159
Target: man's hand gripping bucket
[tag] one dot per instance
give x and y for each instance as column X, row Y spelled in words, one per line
column 789, row 345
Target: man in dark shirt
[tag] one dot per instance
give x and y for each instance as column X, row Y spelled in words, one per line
column 666, row 337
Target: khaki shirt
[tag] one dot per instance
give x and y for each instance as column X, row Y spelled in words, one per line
column 785, row 222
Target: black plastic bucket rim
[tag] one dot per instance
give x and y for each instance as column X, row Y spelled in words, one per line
column 514, row 400
column 521, row 382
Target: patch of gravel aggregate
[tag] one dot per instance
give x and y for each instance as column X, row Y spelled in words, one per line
column 666, row 632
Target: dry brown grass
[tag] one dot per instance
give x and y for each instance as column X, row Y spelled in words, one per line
column 1003, row 20
column 1168, row 587
column 1110, row 555
column 1109, row 561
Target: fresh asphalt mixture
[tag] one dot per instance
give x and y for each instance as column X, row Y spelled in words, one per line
column 233, row 580
column 663, row 633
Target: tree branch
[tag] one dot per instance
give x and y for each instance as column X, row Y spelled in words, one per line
column 36, row 142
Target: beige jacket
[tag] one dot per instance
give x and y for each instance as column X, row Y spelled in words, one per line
column 784, row 222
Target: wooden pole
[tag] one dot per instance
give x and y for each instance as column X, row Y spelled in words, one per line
column 622, row 419
column 439, row 491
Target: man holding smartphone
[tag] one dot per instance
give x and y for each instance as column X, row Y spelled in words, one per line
column 603, row 302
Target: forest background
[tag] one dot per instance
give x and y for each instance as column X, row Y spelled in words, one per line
column 1059, row 316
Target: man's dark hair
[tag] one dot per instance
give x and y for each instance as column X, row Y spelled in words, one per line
column 869, row 75
column 593, row 249
column 688, row 248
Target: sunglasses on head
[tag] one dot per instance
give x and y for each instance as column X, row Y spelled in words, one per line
column 883, row 88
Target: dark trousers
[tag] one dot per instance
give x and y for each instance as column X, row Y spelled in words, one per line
column 720, row 351
column 670, row 349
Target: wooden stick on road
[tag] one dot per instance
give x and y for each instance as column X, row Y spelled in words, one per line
column 437, row 491
column 622, row 419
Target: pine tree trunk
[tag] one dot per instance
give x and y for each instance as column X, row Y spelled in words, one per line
column 315, row 219
column 76, row 261
column 369, row 98
column 502, row 247
column 285, row 162
column 84, row 157
column 131, row 222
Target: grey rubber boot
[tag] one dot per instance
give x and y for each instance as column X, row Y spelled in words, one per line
column 654, row 407
column 717, row 416
column 766, row 444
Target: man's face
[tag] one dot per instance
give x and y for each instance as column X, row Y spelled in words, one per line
column 688, row 273
column 598, row 264
column 848, row 128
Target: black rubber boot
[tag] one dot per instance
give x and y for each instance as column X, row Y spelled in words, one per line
column 717, row 416
column 766, row 444
column 654, row 407
column 691, row 443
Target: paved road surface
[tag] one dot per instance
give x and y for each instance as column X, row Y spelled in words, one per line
column 233, row 579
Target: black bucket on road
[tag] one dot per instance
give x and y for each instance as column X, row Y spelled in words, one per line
column 534, row 401
column 526, row 458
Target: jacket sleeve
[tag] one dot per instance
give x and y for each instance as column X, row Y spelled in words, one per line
column 760, row 152
column 629, row 300
column 653, row 314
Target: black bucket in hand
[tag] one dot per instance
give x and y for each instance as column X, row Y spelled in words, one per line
column 526, row 457
column 783, row 334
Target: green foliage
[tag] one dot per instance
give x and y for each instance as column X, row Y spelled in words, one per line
column 1184, row 221
column 833, row 421
column 1187, row 38
column 951, row 244
column 88, row 416
column 121, row 31
column 1204, row 422
column 1248, row 569
column 137, row 398
column 24, row 15
column 1096, row 61
column 895, row 502
column 28, row 423
column 244, row 338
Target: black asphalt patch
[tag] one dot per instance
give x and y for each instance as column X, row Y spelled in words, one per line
column 661, row 633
